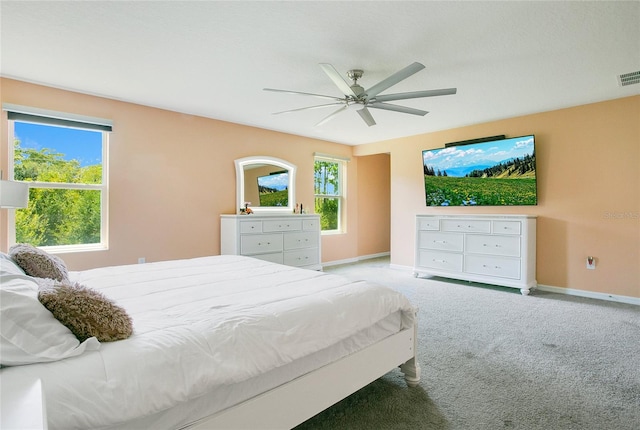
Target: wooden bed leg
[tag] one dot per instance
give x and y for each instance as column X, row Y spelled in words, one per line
column 411, row 370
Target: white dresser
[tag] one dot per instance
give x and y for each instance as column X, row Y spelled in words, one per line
column 293, row 240
column 491, row 249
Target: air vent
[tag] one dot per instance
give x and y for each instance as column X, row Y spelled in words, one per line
column 629, row 79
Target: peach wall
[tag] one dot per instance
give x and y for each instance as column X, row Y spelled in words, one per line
column 172, row 175
column 374, row 204
column 588, row 169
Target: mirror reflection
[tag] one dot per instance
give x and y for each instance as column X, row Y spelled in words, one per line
column 267, row 183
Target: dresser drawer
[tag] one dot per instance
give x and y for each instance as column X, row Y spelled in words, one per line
column 466, row 226
column 428, row 224
column 300, row 240
column 507, row 227
column 508, row 246
column 250, row 227
column 301, row 257
column 253, row 244
column 492, row 266
column 310, row 225
column 268, row 237
column 274, row 258
column 440, row 260
column 281, row 225
column 440, row 241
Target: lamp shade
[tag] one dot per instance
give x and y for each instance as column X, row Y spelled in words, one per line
column 13, row 194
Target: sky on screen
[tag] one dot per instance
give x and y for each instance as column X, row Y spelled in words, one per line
column 278, row 181
column 479, row 154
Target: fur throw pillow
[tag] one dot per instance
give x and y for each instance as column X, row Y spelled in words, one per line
column 86, row 312
column 38, row 263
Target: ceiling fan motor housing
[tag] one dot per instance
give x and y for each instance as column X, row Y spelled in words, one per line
column 354, row 75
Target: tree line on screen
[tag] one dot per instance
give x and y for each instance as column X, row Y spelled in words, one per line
column 273, row 197
column 56, row 216
column 515, row 168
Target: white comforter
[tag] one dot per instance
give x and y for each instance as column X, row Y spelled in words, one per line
column 202, row 323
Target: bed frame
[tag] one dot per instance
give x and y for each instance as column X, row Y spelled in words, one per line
column 294, row 402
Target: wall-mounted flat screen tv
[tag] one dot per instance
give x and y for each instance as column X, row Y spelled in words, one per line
column 273, row 189
column 491, row 173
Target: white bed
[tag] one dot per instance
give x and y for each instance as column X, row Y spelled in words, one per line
column 225, row 342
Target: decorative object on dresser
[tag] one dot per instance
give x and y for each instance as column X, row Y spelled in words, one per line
column 490, row 249
column 293, row 240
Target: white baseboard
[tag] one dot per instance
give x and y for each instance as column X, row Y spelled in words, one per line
column 401, row 267
column 354, row 260
column 590, row 294
column 559, row 290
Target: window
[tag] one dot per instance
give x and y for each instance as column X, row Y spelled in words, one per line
column 64, row 162
column 329, row 192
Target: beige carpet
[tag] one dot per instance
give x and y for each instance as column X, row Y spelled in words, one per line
column 494, row 359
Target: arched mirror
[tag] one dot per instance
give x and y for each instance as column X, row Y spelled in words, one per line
column 266, row 183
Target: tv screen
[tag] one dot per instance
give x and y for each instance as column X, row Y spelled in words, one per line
column 273, row 189
column 493, row 173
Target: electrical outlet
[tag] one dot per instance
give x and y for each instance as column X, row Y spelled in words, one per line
column 591, row 263
column 141, row 260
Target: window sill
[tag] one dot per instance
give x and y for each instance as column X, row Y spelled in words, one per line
column 68, row 249
column 332, row 232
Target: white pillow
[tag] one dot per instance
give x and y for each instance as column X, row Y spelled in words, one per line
column 8, row 266
column 29, row 333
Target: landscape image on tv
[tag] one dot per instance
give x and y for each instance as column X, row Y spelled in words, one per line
column 273, row 189
column 495, row 173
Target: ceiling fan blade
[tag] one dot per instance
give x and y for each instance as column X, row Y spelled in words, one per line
column 307, row 108
column 337, row 79
column 303, row 94
column 331, row 116
column 366, row 116
column 397, row 108
column 414, row 95
column 393, row 79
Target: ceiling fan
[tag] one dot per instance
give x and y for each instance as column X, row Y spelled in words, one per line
column 355, row 95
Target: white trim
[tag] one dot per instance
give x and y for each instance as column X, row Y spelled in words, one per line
column 103, row 187
column 551, row 289
column 401, row 267
column 69, row 249
column 240, row 163
column 354, row 260
column 330, row 157
column 590, row 294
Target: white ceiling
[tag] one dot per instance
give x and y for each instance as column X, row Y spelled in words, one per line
column 214, row 58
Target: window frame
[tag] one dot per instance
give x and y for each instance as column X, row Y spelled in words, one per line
column 57, row 119
column 340, row 194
